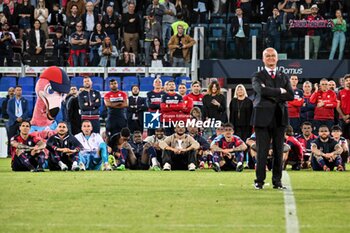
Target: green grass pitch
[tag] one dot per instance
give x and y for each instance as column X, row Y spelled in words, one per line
column 176, row 201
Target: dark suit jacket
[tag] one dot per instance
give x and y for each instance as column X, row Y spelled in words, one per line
column 32, row 42
column 11, row 110
column 268, row 98
column 141, row 107
column 235, row 26
column 83, row 17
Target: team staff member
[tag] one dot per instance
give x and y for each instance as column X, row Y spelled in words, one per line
column 154, row 98
column 27, row 151
column 270, row 116
column 196, row 95
column 137, row 105
column 171, row 106
column 63, row 149
column 343, row 107
column 325, row 101
column 89, row 104
column 116, row 102
column 295, row 105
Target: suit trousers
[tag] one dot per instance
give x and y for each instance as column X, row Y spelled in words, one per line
column 264, row 135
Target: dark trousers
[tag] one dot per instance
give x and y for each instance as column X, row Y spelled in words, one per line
column 241, row 47
column 114, row 125
column 135, row 125
column 37, row 59
column 66, row 159
column 9, row 57
column 295, row 123
column 179, row 161
column 11, row 131
column 95, row 126
column 263, row 138
column 27, row 163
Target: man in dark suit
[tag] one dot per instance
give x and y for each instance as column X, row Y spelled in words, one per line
column 137, row 105
column 17, row 109
column 240, row 32
column 270, row 116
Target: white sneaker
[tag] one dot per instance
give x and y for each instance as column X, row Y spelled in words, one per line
column 107, row 167
column 239, row 167
column 191, row 167
column 82, row 166
column 167, row 167
column 63, row 166
column 75, row 166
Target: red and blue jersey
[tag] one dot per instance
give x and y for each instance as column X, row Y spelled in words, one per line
column 221, row 142
column 154, row 100
column 344, row 98
column 296, row 149
column 31, row 141
column 197, row 100
column 306, row 143
column 295, row 105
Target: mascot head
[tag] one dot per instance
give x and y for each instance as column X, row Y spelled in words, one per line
column 51, row 87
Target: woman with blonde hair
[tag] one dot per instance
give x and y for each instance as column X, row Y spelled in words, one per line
column 241, row 108
column 41, row 13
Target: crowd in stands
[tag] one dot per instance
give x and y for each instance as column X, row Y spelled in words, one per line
column 317, row 137
column 143, row 32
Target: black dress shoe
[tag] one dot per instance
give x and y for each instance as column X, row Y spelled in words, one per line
column 279, row 186
column 258, row 186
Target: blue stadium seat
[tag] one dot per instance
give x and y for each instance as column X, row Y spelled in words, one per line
column 129, row 81
column 146, row 84
column 27, row 84
column 217, row 18
column 77, row 81
column 185, row 80
column 217, row 47
column 1, row 100
column 255, row 30
column 97, row 83
column 166, row 78
column 7, row 81
column 106, row 86
column 217, row 30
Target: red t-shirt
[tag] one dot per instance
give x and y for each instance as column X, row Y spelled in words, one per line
column 344, row 98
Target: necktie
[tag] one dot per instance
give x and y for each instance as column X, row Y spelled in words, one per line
column 272, row 74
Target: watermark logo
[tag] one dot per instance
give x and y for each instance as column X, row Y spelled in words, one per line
column 154, row 120
column 151, row 120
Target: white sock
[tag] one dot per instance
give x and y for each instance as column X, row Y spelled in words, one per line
column 154, row 161
column 75, row 163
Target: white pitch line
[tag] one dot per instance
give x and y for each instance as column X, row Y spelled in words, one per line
column 292, row 223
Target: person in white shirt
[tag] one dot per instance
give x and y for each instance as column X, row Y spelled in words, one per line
column 94, row 151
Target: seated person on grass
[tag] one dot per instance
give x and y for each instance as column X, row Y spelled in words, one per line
column 336, row 133
column 63, row 150
column 27, row 151
column 295, row 154
column 326, row 152
column 203, row 154
column 94, row 152
column 152, row 153
column 228, row 151
column 179, row 150
column 122, row 154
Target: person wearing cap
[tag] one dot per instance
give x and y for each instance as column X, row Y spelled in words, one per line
column 7, row 39
column 315, row 34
